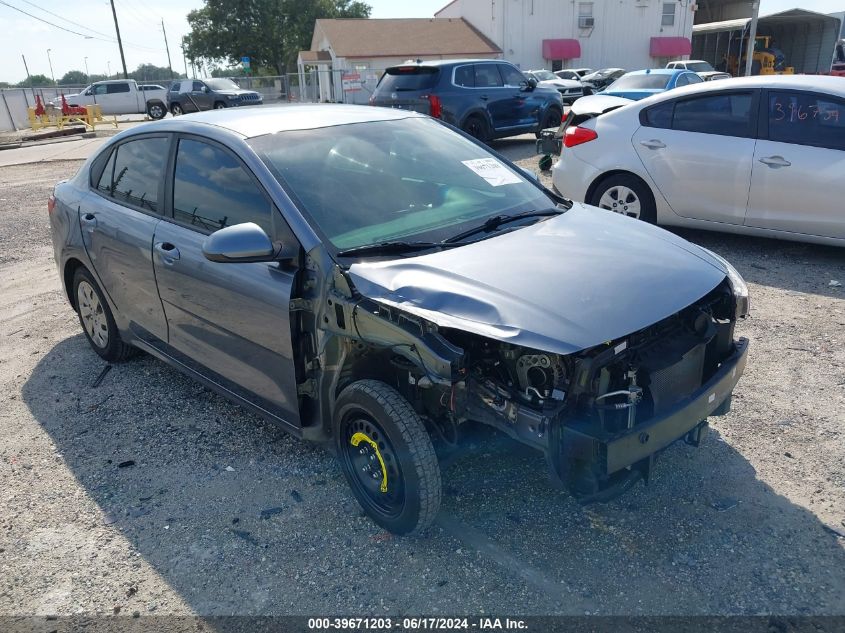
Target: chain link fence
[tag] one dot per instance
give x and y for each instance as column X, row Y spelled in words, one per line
column 314, row 85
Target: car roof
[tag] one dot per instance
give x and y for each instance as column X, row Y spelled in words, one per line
column 821, row 83
column 447, row 62
column 257, row 121
column 658, row 71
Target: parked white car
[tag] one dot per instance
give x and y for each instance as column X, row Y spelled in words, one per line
column 121, row 96
column 569, row 89
column 700, row 156
column 702, row 68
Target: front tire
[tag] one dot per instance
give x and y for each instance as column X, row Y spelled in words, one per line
column 219, row 105
column 96, row 319
column 387, row 457
column 625, row 194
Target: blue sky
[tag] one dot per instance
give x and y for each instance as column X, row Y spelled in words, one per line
column 141, row 30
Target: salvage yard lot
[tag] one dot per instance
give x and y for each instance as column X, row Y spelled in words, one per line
column 141, row 491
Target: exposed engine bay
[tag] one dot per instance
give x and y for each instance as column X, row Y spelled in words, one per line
column 599, row 415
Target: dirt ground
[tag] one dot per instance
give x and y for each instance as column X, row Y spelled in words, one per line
column 147, row 493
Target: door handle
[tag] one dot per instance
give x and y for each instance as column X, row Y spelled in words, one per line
column 167, row 251
column 484, row 97
column 89, row 220
column 653, row 144
column 775, row 161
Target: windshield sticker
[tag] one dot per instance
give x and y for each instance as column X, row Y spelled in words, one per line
column 492, row 171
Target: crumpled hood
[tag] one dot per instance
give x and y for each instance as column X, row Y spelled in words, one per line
column 561, row 285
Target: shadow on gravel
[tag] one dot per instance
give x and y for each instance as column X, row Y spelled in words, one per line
column 795, row 266
column 517, row 148
column 238, row 518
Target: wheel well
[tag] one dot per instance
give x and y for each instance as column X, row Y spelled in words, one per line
column 617, row 172
column 70, row 270
column 155, row 102
column 477, row 114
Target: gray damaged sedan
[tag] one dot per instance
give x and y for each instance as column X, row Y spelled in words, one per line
column 373, row 279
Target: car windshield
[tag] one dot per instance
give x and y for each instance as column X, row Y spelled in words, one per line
column 409, row 179
column 699, row 67
column 544, row 75
column 640, row 82
column 222, row 84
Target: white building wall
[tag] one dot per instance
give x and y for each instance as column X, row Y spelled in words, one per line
column 621, row 36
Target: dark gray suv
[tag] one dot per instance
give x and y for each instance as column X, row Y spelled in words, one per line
column 486, row 98
column 195, row 95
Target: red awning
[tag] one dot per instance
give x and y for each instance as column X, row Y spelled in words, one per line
column 669, row 46
column 561, row 49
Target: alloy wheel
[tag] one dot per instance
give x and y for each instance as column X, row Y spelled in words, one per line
column 92, row 315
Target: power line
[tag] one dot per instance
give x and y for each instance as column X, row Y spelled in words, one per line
column 85, row 35
column 87, row 28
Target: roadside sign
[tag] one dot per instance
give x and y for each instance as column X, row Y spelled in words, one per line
column 245, row 62
column 351, row 82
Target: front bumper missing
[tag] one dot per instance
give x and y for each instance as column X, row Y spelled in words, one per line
column 615, row 453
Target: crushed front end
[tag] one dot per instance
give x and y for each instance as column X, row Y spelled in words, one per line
column 601, row 415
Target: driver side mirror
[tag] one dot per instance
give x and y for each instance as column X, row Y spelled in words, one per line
column 528, row 85
column 89, row 92
column 205, row 89
column 240, row 243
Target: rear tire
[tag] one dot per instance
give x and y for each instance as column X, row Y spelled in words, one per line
column 387, row 457
column 477, row 128
column 96, row 319
column 625, row 194
column 156, row 111
column 176, row 109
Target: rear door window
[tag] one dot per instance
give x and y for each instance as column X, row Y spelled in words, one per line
column 212, row 190
column 723, row 114
column 117, row 88
column 465, row 76
column 487, row 76
column 134, row 173
column 409, row 78
column 806, row 119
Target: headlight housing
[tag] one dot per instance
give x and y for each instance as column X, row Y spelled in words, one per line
column 738, row 287
column 232, row 97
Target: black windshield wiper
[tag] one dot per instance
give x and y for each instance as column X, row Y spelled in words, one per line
column 491, row 224
column 391, row 248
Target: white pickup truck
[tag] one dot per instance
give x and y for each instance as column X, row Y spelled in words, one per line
column 121, row 96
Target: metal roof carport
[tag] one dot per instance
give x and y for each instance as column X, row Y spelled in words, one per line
column 807, row 39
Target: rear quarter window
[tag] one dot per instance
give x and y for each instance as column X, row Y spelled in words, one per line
column 409, row 78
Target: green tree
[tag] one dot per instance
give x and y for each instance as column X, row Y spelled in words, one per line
column 37, row 80
column 151, row 72
column 74, row 78
column 270, row 32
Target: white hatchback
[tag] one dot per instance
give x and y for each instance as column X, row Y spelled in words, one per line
column 757, row 155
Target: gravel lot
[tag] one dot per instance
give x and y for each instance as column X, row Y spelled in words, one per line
column 150, row 494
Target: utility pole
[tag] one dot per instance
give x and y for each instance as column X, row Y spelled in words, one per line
column 28, row 76
column 752, row 36
column 87, row 74
column 184, row 59
column 119, row 42
column 50, row 61
column 167, row 48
